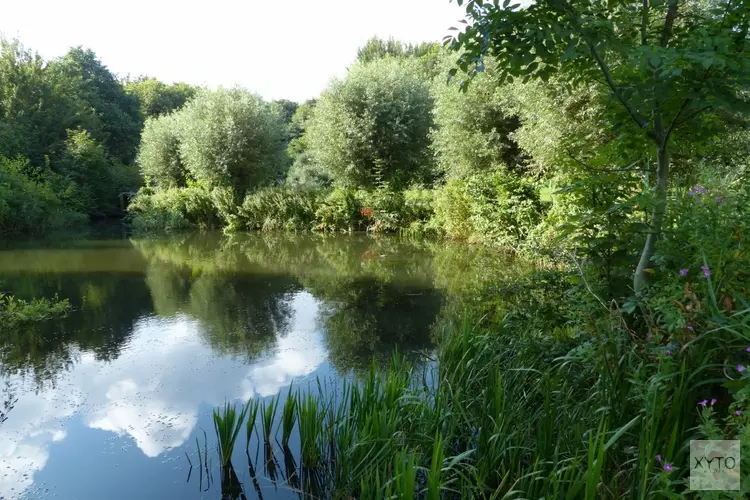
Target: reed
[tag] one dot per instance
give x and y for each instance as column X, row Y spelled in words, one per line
column 288, row 416
column 310, row 420
column 227, row 424
column 267, row 417
column 252, row 415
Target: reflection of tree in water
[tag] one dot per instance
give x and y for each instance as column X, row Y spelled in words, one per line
column 367, row 318
column 242, row 309
column 106, row 307
column 242, row 315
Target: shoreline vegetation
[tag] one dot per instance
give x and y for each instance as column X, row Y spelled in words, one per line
column 611, row 142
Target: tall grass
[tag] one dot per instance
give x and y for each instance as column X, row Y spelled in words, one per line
column 288, row 416
column 310, row 418
column 252, row 415
column 268, row 416
column 508, row 415
column 227, row 423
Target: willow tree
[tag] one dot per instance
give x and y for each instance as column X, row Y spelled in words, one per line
column 664, row 62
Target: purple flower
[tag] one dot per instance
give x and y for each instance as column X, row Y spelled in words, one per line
column 740, row 368
column 667, row 352
column 703, row 403
column 713, row 401
column 691, row 192
column 738, row 412
column 747, row 348
column 690, row 327
column 651, row 335
column 706, row 271
column 719, row 200
column 658, row 458
column 668, row 467
column 698, row 189
column 683, row 272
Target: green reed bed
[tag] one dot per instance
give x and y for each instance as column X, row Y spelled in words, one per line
column 227, row 423
column 527, row 416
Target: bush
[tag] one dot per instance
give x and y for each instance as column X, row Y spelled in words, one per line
column 192, row 207
column 33, row 200
column 278, row 209
column 341, row 210
column 492, row 207
column 373, row 126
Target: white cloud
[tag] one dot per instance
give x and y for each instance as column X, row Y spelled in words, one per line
column 152, row 392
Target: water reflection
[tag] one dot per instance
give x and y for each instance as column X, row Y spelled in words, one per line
column 164, row 329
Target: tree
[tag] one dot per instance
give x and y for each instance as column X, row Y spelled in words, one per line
column 99, row 178
column 376, row 48
column 475, row 128
column 664, row 63
column 374, row 125
column 231, row 138
column 159, row 155
column 157, row 98
column 105, row 110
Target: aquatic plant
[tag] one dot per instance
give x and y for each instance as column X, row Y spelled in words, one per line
column 310, row 418
column 252, row 414
column 288, row 416
column 227, row 424
column 267, row 417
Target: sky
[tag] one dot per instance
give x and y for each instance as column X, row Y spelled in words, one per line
column 286, row 49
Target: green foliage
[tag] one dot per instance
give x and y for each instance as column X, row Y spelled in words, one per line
column 99, row 179
column 340, row 210
column 159, row 153
column 227, row 424
column 156, row 98
column 192, row 207
column 493, row 207
column 273, row 209
column 230, row 138
column 373, row 126
column 475, row 127
column 15, row 311
column 305, row 174
column 663, row 64
column 113, row 118
column 377, row 48
column 32, row 200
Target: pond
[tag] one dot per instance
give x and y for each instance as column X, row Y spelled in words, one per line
column 115, row 401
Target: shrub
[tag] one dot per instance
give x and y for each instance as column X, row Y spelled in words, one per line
column 278, row 208
column 33, row 200
column 492, row 207
column 453, row 209
column 174, row 209
column 341, row 210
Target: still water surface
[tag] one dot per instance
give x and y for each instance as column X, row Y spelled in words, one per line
column 110, row 400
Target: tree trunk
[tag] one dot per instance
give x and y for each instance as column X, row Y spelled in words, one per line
column 657, row 216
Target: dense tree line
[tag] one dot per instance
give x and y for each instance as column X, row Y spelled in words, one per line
column 69, row 135
column 403, row 142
